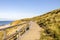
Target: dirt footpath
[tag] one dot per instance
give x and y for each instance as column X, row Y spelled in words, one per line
column 33, row 33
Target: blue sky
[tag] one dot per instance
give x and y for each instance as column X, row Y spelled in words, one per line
column 18, row 9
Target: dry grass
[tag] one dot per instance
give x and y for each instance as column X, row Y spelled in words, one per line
column 49, row 22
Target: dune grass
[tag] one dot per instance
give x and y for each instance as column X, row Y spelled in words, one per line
column 50, row 22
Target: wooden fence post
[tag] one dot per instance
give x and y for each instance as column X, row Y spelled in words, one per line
column 4, row 35
column 18, row 36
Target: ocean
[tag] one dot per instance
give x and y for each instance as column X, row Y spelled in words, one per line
column 4, row 22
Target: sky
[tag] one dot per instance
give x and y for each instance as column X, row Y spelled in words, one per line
column 19, row 9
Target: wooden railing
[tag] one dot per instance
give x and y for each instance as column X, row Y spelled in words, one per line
column 17, row 34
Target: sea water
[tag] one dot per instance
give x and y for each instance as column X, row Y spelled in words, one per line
column 4, row 22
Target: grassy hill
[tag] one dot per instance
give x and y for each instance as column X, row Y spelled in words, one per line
column 49, row 22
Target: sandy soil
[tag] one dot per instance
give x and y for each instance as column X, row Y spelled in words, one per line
column 33, row 33
column 5, row 26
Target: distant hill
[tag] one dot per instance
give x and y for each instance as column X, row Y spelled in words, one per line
column 49, row 22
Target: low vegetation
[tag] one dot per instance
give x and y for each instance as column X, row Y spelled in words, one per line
column 49, row 22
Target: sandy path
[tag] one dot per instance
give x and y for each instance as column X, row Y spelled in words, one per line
column 33, row 33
